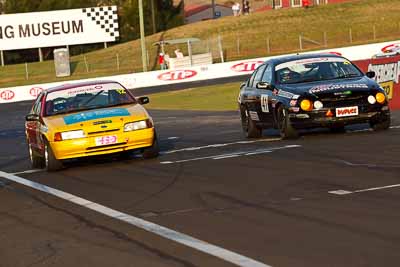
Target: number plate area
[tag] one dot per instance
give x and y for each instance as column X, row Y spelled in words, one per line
column 106, row 140
column 347, row 112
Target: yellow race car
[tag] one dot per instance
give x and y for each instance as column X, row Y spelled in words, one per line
column 86, row 119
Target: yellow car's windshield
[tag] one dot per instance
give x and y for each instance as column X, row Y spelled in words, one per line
column 86, row 98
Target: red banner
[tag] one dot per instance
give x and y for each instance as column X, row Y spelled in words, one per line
column 387, row 70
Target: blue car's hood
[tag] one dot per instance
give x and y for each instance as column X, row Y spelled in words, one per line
column 359, row 84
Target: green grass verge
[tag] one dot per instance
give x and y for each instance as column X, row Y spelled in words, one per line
column 242, row 37
column 209, row 98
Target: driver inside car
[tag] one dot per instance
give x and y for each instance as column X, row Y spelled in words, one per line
column 288, row 76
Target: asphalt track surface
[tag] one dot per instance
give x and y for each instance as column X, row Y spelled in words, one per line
column 281, row 203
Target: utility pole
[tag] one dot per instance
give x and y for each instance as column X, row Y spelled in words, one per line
column 213, row 8
column 153, row 16
column 142, row 37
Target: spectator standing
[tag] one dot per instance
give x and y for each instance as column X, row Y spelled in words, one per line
column 161, row 61
column 305, row 3
column 246, row 8
column 166, row 61
column 236, row 9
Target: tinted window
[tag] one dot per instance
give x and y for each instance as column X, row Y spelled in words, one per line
column 259, row 74
column 37, row 107
column 252, row 78
column 267, row 77
column 86, row 98
column 315, row 69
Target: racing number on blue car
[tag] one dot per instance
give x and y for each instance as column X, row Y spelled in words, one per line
column 264, row 103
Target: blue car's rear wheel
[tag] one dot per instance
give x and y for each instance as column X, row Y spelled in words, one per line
column 250, row 129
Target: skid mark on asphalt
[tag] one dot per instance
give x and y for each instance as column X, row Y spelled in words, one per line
column 233, row 155
column 219, row 145
column 346, row 192
column 159, row 230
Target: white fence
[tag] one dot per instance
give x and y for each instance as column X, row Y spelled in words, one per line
column 198, row 73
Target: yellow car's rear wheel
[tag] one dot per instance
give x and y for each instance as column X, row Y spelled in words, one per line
column 37, row 162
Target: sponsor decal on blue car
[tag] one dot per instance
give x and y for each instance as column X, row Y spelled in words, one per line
column 332, row 87
column 95, row 114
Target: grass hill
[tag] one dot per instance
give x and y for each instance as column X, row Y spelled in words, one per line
column 259, row 34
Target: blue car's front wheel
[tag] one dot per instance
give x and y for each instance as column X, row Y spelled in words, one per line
column 284, row 125
column 383, row 123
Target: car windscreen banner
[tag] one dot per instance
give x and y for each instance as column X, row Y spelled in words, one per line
column 59, row 28
column 387, row 74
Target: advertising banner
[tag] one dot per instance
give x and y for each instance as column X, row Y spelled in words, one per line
column 58, row 28
column 387, row 70
column 373, row 57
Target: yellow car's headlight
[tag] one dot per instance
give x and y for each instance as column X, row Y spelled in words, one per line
column 306, row 105
column 138, row 125
column 380, row 98
column 69, row 135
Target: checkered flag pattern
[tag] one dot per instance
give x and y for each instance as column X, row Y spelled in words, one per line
column 105, row 17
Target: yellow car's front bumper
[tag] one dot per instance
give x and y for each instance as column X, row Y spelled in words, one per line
column 83, row 147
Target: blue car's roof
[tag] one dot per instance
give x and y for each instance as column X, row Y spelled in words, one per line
column 284, row 59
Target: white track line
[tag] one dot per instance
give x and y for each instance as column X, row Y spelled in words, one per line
column 346, row 192
column 159, row 230
column 377, row 188
column 219, row 145
column 249, row 142
column 227, row 156
column 258, row 152
column 348, row 163
column 232, row 155
column 28, row 171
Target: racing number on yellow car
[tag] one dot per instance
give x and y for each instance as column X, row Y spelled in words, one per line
column 264, row 103
column 388, row 87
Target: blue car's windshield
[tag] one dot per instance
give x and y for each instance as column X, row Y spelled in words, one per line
column 86, row 97
column 315, row 69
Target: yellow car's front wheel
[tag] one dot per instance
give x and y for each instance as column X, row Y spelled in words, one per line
column 51, row 162
column 153, row 151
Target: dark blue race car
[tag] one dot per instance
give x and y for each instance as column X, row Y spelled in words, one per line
column 306, row 91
